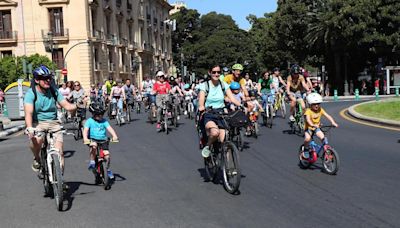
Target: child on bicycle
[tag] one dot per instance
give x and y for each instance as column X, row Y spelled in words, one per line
column 96, row 128
column 235, row 88
column 253, row 115
column 313, row 121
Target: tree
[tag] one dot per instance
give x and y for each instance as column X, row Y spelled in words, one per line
column 11, row 67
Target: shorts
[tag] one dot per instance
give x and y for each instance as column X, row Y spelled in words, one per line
column 297, row 95
column 103, row 146
column 51, row 125
column 216, row 119
column 313, row 132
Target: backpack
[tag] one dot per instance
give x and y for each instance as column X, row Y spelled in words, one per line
column 53, row 90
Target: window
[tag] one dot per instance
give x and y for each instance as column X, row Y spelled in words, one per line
column 5, row 24
column 58, row 58
column 108, row 24
column 130, row 25
column 5, row 54
column 56, row 21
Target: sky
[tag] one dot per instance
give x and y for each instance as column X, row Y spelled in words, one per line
column 238, row 9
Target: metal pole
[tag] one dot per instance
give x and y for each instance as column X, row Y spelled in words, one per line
column 66, row 54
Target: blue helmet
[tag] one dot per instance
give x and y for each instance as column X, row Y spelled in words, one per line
column 42, row 72
column 186, row 86
column 234, row 86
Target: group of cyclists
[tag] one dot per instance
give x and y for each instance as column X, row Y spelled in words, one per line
column 222, row 91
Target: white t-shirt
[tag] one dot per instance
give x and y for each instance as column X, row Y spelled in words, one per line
column 65, row 92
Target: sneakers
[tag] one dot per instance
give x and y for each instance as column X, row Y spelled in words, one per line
column 122, row 120
column 110, row 174
column 206, row 152
column 113, row 113
column 35, row 165
column 92, row 165
column 291, row 118
column 158, row 127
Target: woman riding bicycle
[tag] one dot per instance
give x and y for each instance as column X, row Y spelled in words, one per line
column 161, row 89
column 212, row 93
column 118, row 97
column 265, row 86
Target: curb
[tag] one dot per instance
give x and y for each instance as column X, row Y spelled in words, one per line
column 12, row 130
column 353, row 113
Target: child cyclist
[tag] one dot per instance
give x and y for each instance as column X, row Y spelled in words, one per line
column 313, row 121
column 96, row 128
column 253, row 115
column 235, row 88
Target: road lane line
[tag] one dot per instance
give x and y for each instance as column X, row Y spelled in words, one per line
column 345, row 116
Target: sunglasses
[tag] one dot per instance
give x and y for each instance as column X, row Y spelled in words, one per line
column 215, row 72
column 77, row 85
column 44, row 78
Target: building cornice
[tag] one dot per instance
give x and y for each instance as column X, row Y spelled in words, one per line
column 8, row 3
column 44, row 2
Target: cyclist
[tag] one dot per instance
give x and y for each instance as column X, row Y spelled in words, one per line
column 130, row 93
column 313, row 121
column 117, row 98
column 41, row 112
column 147, row 88
column 264, row 89
column 109, row 84
column 276, row 80
column 235, row 88
column 253, row 115
column 78, row 96
column 236, row 76
column 161, row 89
column 189, row 95
column 96, row 128
column 248, row 82
column 64, row 90
column 93, row 93
column 295, row 86
column 212, row 94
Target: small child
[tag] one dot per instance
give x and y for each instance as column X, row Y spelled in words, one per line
column 253, row 115
column 96, row 128
column 188, row 94
column 235, row 88
column 313, row 121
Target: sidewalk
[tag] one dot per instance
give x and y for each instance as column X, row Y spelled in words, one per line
column 353, row 113
column 10, row 127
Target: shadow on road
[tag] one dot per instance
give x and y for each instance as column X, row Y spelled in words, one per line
column 69, row 153
column 118, row 177
column 70, row 194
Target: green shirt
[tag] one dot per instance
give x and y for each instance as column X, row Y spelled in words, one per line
column 265, row 85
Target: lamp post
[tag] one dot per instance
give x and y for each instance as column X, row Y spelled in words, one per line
column 66, row 54
column 49, row 44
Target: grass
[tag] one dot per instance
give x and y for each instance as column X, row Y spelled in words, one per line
column 389, row 110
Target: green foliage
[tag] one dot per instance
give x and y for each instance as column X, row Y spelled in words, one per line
column 11, row 67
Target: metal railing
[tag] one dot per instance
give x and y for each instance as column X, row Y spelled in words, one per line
column 8, row 35
column 55, row 33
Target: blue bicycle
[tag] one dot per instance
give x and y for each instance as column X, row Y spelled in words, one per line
column 328, row 155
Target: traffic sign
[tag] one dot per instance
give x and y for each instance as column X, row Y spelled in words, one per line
column 64, row 71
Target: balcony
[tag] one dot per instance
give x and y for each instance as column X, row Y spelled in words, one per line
column 123, row 42
column 8, row 37
column 55, row 34
column 112, row 39
column 133, row 46
column 123, row 68
column 97, row 36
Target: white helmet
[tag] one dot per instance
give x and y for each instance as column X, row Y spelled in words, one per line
column 160, row 73
column 314, row 98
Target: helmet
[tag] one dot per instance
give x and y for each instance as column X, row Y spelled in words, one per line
column 42, row 72
column 160, row 73
column 314, row 98
column 186, row 86
column 252, row 93
column 295, row 69
column 96, row 108
column 276, row 69
column 234, row 85
column 237, row 66
column 171, row 79
column 225, row 69
column 119, row 81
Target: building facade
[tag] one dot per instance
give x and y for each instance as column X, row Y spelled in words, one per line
column 93, row 39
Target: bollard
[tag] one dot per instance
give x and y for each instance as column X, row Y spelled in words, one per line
column 5, row 110
column 397, row 92
column 357, row 93
column 376, row 94
column 335, row 96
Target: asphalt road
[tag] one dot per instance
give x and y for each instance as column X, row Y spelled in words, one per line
column 159, row 182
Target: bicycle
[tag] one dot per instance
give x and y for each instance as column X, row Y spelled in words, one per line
column 152, row 113
column 189, row 108
column 327, row 154
column 165, row 115
column 77, row 123
column 280, row 104
column 298, row 124
column 268, row 114
column 254, row 128
column 50, row 169
column 224, row 157
column 102, row 164
column 129, row 107
column 118, row 112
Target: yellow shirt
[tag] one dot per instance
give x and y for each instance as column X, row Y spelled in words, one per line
column 314, row 116
column 231, row 78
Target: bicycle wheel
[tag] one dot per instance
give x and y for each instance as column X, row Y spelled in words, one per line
column 283, row 108
column 128, row 113
column 240, row 139
column 166, row 123
column 270, row 117
column 211, row 166
column 104, row 175
column 231, row 168
column 57, row 181
column 175, row 113
column 330, row 161
column 256, row 130
column 44, row 172
column 303, row 163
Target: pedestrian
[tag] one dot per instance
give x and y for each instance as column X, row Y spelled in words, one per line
column 364, row 87
column 351, row 87
column 327, row 89
column 1, row 101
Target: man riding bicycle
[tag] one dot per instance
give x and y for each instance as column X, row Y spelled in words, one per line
column 129, row 90
column 40, row 105
column 295, row 87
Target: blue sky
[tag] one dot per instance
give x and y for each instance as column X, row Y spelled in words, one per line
column 238, row 9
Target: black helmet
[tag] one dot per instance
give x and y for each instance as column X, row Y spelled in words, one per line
column 96, row 108
column 295, row 69
column 276, row 69
column 252, row 93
